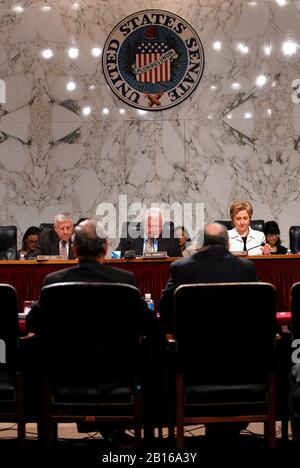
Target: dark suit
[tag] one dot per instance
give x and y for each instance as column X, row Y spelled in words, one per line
column 209, row 265
column 166, row 242
column 48, row 244
column 87, row 271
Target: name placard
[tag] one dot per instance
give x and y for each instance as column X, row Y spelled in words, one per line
column 43, row 258
column 151, row 255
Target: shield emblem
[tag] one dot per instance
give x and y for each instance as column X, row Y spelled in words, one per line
column 151, row 62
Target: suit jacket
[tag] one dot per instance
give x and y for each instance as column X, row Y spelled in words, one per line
column 48, row 244
column 253, row 244
column 89, row 271
column 169, row 244
column 209, row 265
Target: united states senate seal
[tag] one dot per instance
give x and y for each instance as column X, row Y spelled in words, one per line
column 153, row 60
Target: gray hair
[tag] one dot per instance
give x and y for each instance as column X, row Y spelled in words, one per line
column 62, row 216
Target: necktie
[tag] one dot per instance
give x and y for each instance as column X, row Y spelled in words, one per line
column 245, row 241
column 63, row 250
column 149, row 245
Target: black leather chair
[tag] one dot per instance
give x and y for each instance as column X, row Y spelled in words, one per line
column 294, row 234
column 225, row 348
column 91, row 343
column 43, row 226
column 11, row 381
column 257, row 224
column 295, row 309
column 8, row 243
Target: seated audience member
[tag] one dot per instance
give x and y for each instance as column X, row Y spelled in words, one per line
column 89, row 245
column 272, row 234
column 56, row 241
column 295, row 402
column 29, row 242
column 213, row 263
column 242, row 238
column 151, row 236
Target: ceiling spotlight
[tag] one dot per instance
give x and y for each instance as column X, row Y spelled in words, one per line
column 217, row 45
column 18, row 8
column 105, row 111
column 96, row 51
column 247, row 115
column 261, row 80
column 86, row 110
column 122, row 111
column 73, row 52
column 243, row 48
column 71, row 86
column 289, row 47
column 236, row 86
column 47, row 53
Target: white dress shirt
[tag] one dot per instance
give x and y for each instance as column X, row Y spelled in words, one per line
column 253, row 243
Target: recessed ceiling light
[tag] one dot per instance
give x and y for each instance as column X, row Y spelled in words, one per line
column 243, row 48
column 96, row 51
column 247, row 115
column 86, row 110
column 122, row 111
column 261, row 80
column 18, row 8
column 213, row 87
column 73, row 52
column 289, row 47
column 105, row 111
column 92, row 87
column 236, row 86
column 229, row 116
column 71, row 86
column 47, row 53
column 217, row 45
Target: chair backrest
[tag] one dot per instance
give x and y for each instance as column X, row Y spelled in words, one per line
column 294, row 234
column 257, row 224
column 9, row 330
column 295, row 309
column 225, row 332
column 8, row 242
column 43, row 226
column 91, row 329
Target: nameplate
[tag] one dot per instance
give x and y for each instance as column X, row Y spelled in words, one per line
column 239, row 254
column 159, row 254
column 44, row 258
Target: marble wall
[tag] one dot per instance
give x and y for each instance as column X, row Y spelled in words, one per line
column 236, row 136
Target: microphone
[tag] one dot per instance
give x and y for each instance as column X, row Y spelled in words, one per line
column 256, row 246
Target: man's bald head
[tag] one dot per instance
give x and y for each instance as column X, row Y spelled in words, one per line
column 89, row 240
column 216, row 234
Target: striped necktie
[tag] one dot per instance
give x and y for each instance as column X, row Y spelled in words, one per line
column 63, row 250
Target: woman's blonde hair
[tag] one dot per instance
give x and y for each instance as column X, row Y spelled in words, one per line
column 240, row 205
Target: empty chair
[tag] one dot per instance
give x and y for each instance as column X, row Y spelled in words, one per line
column 91, row 349
column 257, row 224
column 11, row 385
column 294, row 234
column 225, row 348
column 8, row 243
